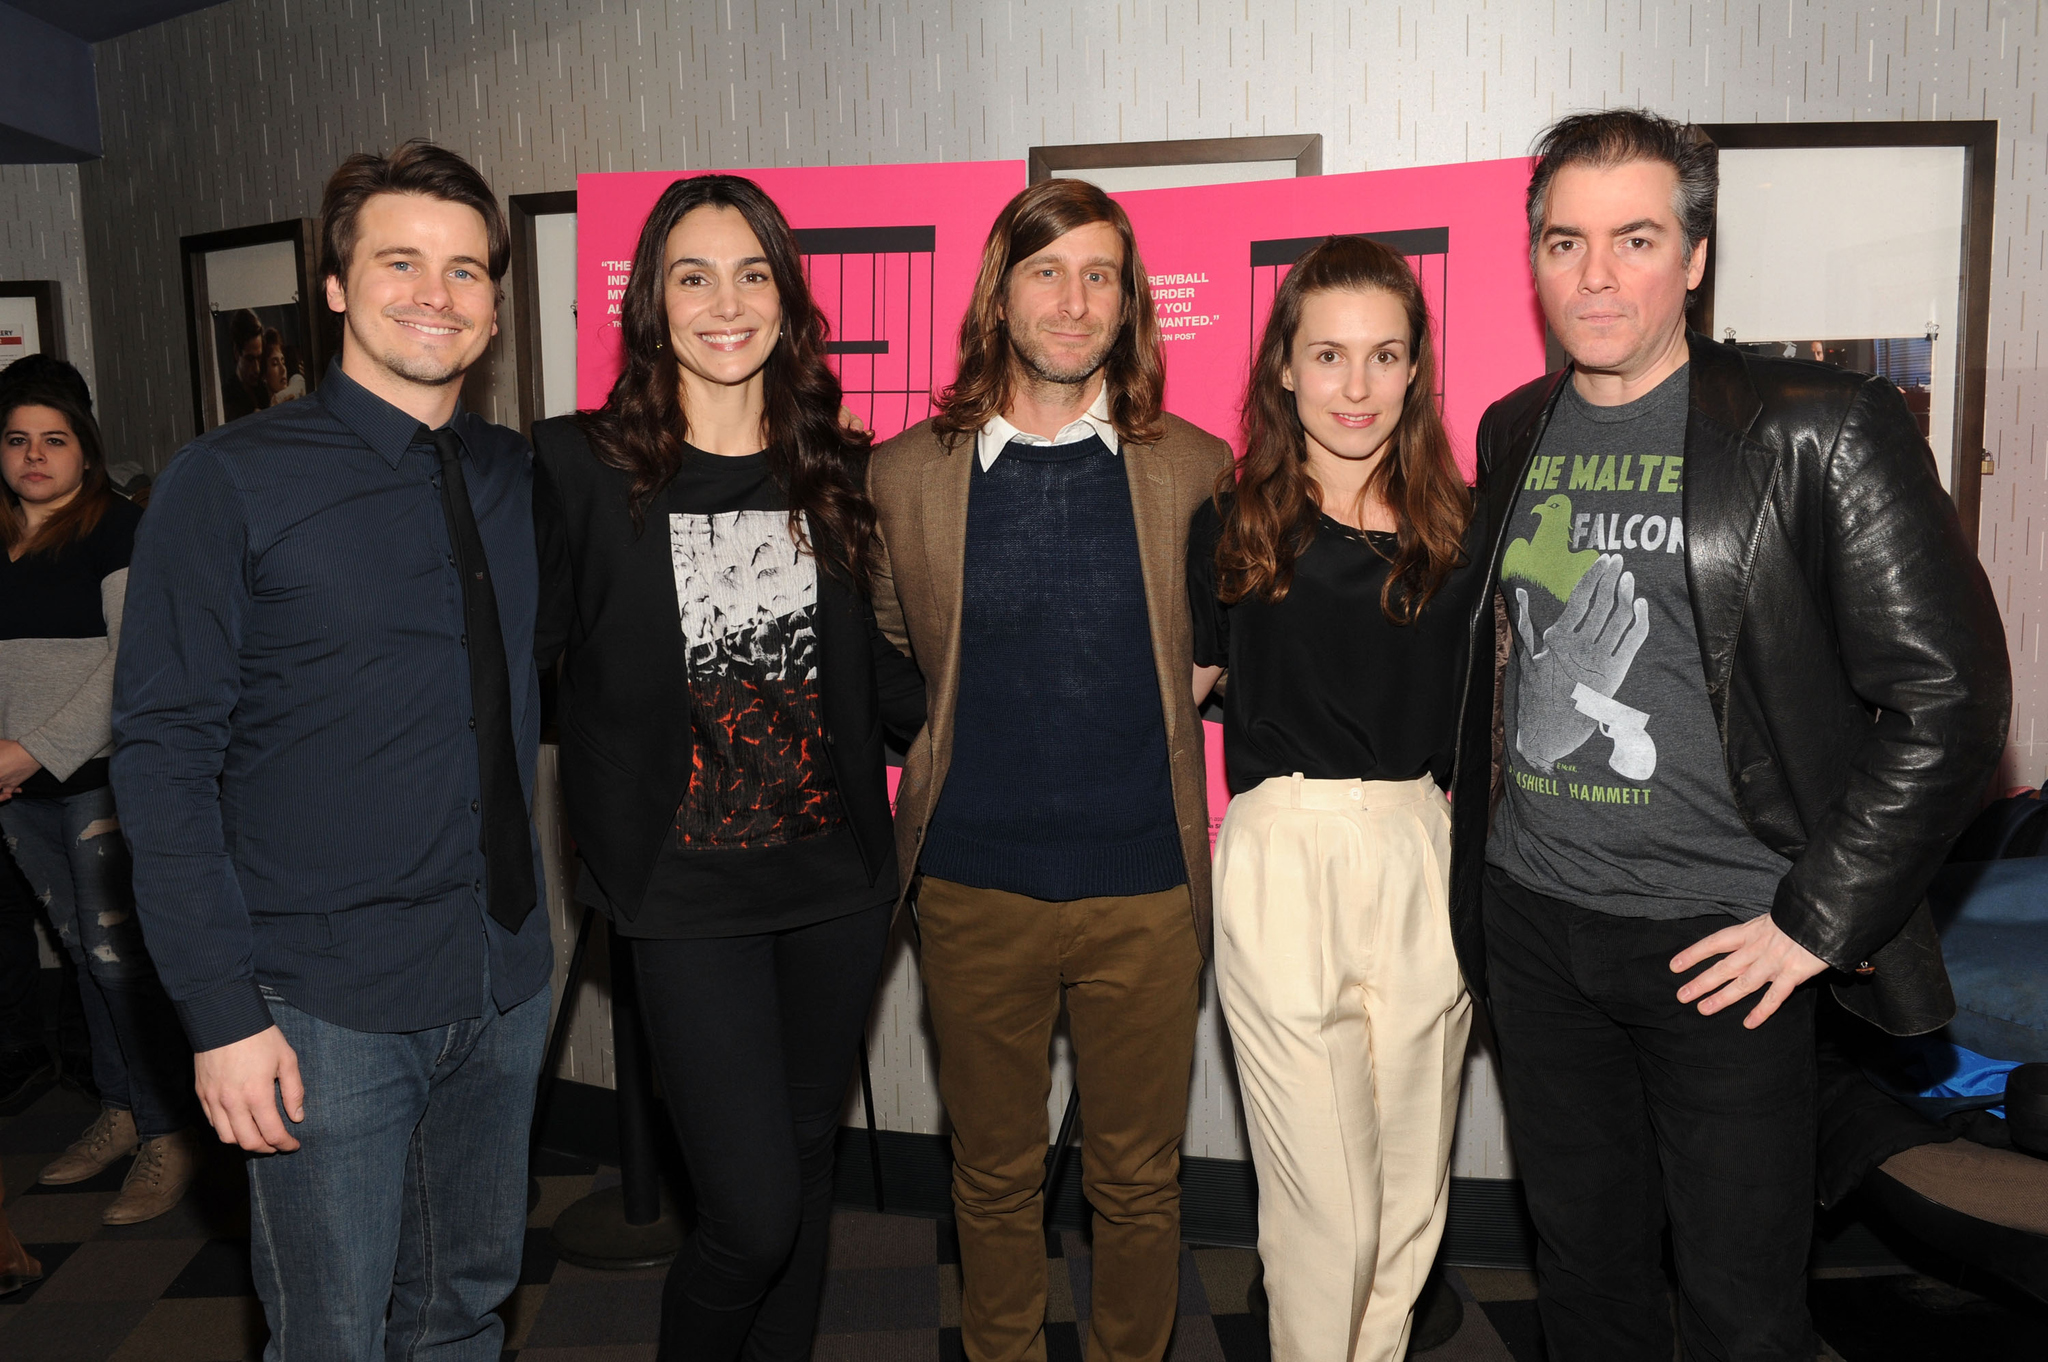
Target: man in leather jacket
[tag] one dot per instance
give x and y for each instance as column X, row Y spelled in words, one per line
column 1748, row 682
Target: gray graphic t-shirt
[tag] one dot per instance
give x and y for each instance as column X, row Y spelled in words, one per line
column 1617, row 795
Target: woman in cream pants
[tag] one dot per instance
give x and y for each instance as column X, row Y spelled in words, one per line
column 1328, row 579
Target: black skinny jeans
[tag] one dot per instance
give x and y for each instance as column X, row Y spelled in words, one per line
column 755, row 1037
column 1628, row 1110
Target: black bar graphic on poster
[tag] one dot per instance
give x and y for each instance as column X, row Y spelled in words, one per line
column 897, row 261
column 864, row 240
column 1416, row 241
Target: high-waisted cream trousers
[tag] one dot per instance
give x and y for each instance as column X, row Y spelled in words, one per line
column 1349, row 1017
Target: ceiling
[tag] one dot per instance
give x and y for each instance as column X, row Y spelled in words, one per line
column 96, row 20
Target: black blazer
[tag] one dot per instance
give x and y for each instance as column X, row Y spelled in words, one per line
column 1853, row 651
column 608, row 601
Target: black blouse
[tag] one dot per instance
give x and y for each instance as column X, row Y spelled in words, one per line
column 1321, row 682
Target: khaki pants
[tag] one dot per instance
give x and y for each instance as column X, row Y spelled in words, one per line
column 1348, row 1013
column 995, row 966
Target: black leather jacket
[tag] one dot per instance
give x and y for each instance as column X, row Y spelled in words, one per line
column 1854, row 657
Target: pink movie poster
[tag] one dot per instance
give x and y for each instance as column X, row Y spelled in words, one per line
column 891, row 253
column 1217, row 254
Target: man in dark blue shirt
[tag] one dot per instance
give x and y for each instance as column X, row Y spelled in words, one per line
column 326, row 716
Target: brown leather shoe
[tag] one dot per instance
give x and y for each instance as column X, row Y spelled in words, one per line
column 106, row 1140
column 164, row 1168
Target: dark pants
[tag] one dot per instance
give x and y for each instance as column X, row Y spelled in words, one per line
column 755, row 1038
column 1628, row 1111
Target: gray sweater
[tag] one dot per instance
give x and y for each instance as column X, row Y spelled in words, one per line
column 57, row 694
column 60, row 627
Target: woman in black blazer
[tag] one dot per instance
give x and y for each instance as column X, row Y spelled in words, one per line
column 705, row 541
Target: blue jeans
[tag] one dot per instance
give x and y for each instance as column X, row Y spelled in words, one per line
column 71, row 852
column 407, row 1194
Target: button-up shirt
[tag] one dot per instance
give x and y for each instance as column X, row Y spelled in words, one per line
column 296, row 761
column 995, row 437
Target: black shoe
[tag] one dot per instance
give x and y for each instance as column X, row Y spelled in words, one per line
column 25, row 1074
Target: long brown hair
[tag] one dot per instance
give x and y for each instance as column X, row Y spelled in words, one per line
column 82, row 513
column 1269, row 501
column 1133, row 375
column 639, row 430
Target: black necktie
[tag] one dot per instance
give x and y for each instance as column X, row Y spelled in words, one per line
column 507, row 836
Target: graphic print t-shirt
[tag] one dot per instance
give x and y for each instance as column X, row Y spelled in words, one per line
column 1617, row 793
column 760, row 842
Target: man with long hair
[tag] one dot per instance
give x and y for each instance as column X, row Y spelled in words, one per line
column 1032, row 558
column 327, row 716
column 1755, row 684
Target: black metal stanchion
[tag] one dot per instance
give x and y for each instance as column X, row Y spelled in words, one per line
column 1057, row 1155
column 565, row 1006
column 867, row 1097
column 630, row 1225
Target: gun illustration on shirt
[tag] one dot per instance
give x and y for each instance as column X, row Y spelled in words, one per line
column 1635, row 751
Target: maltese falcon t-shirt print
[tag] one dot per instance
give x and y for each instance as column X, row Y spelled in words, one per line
column 1617, row 793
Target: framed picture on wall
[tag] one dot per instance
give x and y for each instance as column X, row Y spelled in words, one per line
column 31, row 321
column 1121, row 166
column 544, row 303
column 257, row 326
column 1866, row 246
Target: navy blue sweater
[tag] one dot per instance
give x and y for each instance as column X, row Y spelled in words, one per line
column 1059, row 786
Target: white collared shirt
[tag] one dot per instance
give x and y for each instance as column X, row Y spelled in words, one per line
column 997, row 434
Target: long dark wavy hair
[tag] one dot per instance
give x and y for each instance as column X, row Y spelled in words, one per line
column 1134, row 374
column 1269, row 501
column 639, row 430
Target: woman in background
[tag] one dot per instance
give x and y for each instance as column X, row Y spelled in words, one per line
column 705, row 545
column 281, row 383
column 68, row 536
column 1329, row 578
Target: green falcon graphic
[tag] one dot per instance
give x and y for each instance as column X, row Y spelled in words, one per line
column 1546, row 558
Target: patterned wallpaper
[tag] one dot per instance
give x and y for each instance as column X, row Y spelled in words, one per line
column 42, row 236
column 233, row 115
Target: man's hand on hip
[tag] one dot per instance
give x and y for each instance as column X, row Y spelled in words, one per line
column 239, row 1085
column 1753, row 954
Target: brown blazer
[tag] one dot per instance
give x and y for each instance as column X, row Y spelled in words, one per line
column 919, row 483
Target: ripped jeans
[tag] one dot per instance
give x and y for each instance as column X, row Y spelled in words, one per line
column 71, row 852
